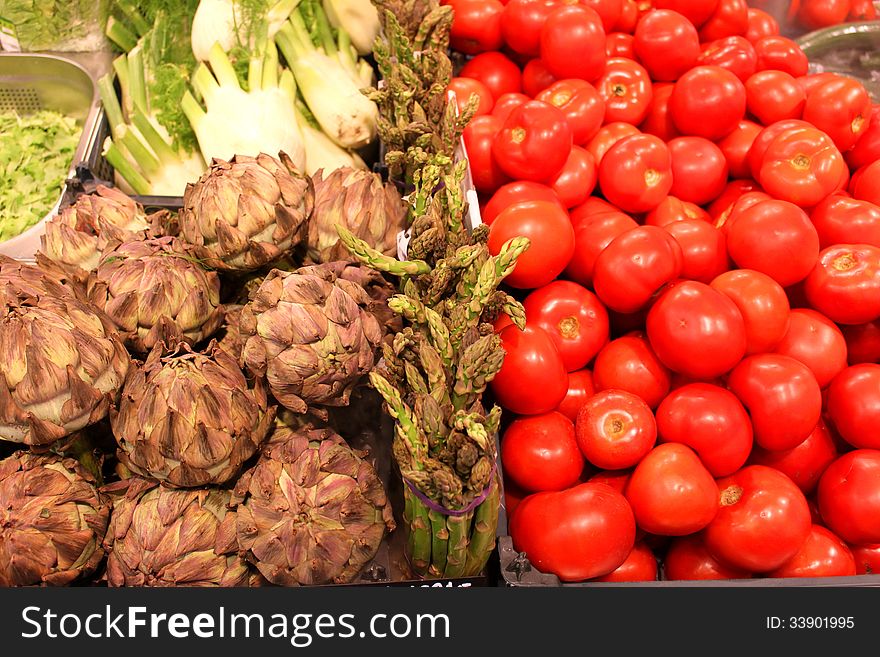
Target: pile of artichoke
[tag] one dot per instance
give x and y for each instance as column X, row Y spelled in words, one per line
column 166, row 381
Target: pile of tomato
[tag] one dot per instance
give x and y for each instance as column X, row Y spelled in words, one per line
column 698, row 383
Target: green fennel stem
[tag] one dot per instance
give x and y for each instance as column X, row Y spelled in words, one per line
column 124, row 168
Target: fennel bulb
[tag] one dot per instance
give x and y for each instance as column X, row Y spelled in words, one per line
column 359, row 18
column 230, row 23
column 324, row 153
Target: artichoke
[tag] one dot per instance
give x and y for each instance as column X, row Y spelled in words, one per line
column 154, row 292
column 311, row 511
column 190, row 419
column 229, row 338
column 164, row 537
column 313, row 335
column 52, row 521
column 63, row 363
column 357, row 200
column 247, row 212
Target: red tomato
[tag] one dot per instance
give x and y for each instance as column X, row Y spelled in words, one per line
column 773, row 96
column 842, row 220
column 516, row 192
column 521, row 24
column 671, row 493
column 464, row 88
column 867, row 148
column 617, row 479
column 476, row 26
column 854, row 405
column 775, row 238
column 532, row 380
column 699, row 170
column 586, row 531
column 608, row 136
column 626, row 89
column 735, row 148
column 762, row 521
column 822, row 555
column 640, row 566
column 761, row 302
column 862, row 342
column 506, row 103
column 720, row 208
column 609, row 11
column 536, row 77
column 849, row 497
column 731, row 18
column 591, row 236
column 615, row 429
column 733, row 53
column 629, row 363
column 688, row 559
column 629, row 16
column 862, row 10
column 845, row 285
column 765, row 138
column 636, row 173
column 540, row 453
column 696, row 331
column 620, row 44
column 696, row 11
column 496, row 71
column 634, row 266
column 534, row 142
column 658, row 121
column 672, row 209
column 814, row 14
column 866, row 183
column 590, row 208
column 573, row 317
column 708, row 101
column 867, row 558
column 761, row 24
column 479, row 135
column 804, row 463
column 551, row 237
column 576, row 181
column 782, row 396
column 781, row 54
column 580, row 388
column 841, row 108
column 666, row 43
column 703, row 249
column 582, row 105
column 815, row 340
column 743, row 203
column 574, row 29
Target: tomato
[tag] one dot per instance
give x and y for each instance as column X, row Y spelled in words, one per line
column 854, row 405
column 761, row 302
column 536, row 77
column 591, row 236
column 703, row 249
column 842, row 220
column 688, row 559
column 496, row 71
column 841, row 108
column 866, row 183
column 666, row 43
column 845, row 285
column 708, row 101
column 620, row 44
column 464, row 88
column 763, row 520
column 699, row 169
column 773, row 96
column 696, row 11
column 540, row 453
column 761, row 24
column 609, row 11
column 862, row 10
column 476, row 26
column 849, row 497
column 516, row 192
column 765, row 138
column 634, row 266
column 743, row 203
column 551, row 236
column 636, row 173
column 658, row 121
column 532, row 357
column 733, row 53
column 615, row 429
column 862, row 342
column 580, row 388
column 672, row 209
column 731, row 18
column 617, row 479
column 581, row 104
column 867, row 148
column 721, row 206
column 479, row 135
column 534, row 142
column 815, row 340
column 608, row 136
column 814, row 14
column 521, row 24
column 640, row 566
column 867, row 558
column 573, row 317
column 822, row 555
column 735, row 148
column 628, row 363
column 696, row 331
column 782, row 54
column 782, row 397
column 576, row 181
column 574, row 29
column 626, row 89
column 506, row 103
column 671, row 493
column 810, row 81
column 804, row 463
column 590, row 208
column 775, row 238
column 584, row 532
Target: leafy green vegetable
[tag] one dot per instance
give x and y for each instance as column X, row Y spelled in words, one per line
column 69, row 25
column 36, row 151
